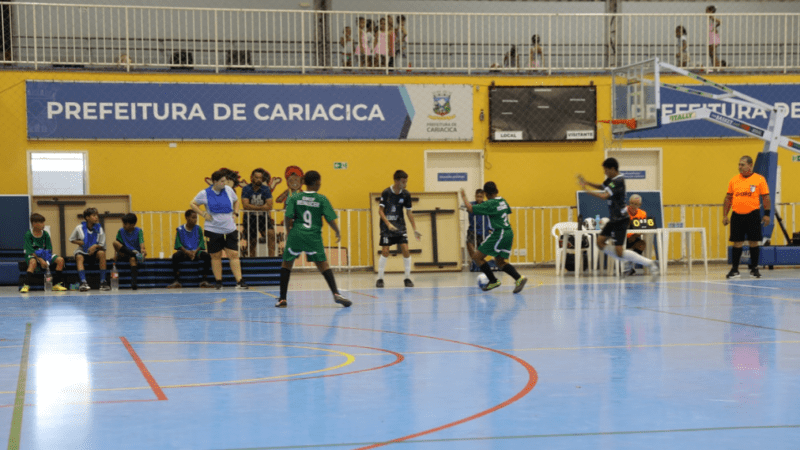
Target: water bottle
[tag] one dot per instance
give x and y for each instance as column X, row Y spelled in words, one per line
column 580, row 222
column 48, row 280
column 597, row 222
column 114, row 278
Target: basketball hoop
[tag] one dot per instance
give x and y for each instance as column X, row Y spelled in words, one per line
column 612, row 140
column 630, row 123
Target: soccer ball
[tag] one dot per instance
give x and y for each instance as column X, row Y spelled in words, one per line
column 589, row 223
column 483, row 281
column 603, row 222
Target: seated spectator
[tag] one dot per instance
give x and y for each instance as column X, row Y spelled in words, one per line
column 39, row 253
column 635, row 241
column 91, row 241
column 190, row 246
column 130, row 244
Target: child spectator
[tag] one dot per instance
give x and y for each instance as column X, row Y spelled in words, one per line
column 536, row 53
column 91, row 242
column 683, row 47
column 346, row 42
column 130, row 244
column 39, row 253
column 713, row 36
column 384, row 44
column 363, row 50
column 511, row 59
column 190, row 246
column 401, row 42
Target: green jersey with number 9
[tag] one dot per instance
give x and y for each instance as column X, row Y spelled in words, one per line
column 497, row 209
column 307, row 209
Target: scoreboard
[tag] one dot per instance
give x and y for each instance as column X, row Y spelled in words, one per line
column 543, row 113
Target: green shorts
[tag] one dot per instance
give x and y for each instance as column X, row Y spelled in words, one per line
column 498, row 243
column 38, row 267
column 298, row 243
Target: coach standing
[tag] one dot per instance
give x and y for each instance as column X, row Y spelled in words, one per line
column 744, row 192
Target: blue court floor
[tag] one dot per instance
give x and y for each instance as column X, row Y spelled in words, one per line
column 688, row 362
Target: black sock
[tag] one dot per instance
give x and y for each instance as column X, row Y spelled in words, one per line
column 328, row 274
column 58, row 277
column 285, row 273
column 487, row 270
column 509, row 269
column 134, row 274
column 736, row 253
column 754, row 254
column 28, row 278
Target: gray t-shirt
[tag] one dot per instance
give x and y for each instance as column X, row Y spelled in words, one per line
column 219, row 223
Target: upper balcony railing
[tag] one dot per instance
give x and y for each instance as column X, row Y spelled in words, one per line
column 129, row 38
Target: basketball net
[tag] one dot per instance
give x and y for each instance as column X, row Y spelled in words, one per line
column 611, row 140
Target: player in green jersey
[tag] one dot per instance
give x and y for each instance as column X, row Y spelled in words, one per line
column 303, row 221
column 39, row 253
column 499, row 243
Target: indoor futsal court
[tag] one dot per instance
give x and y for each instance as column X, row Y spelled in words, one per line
column 689, row 361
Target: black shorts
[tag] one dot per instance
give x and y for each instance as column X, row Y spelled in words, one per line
column 631, row 242
column 216, row 242
column 89, row 260
column 388, row 241
column 746, row 225
column 254, row 222
column 474, row 239
column 617, row 230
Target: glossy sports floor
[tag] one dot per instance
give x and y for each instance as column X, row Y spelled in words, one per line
column 690, row 361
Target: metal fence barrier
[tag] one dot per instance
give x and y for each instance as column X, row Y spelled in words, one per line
column 129, row 37
column 532, row 225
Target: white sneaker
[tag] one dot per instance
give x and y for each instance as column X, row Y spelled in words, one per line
column 655, row 271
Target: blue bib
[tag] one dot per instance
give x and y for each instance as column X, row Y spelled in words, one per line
column 218, row 203
column 90, row 237
column 189, row 239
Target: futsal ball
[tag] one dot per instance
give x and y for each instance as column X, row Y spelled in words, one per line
column 483, row 281
column 589, row 224
column 603, row 222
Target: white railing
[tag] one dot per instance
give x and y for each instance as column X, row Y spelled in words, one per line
column 131, row 37
column 533, row 243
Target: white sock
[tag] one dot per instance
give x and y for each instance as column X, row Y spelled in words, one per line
column 382, row 266
column 610, row 251
column 636, row 258
column 407, row 266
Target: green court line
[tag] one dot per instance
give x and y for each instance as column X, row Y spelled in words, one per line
column 529, row 436
column 19, row 401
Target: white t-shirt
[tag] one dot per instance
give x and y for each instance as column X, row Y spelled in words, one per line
column 77, row 235
column 220, row 223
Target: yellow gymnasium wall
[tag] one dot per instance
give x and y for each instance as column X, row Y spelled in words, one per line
column 158, row 177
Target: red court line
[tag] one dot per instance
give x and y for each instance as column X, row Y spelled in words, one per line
column 365, row 295
column 150, row 380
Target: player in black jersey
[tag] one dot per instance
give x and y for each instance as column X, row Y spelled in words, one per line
column 394, row 200
column 613, row 190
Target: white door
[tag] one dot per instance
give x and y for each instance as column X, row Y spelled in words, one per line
column 451, row 170
column 640, row 166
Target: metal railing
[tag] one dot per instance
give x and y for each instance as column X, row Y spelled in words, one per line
column 131, row 37
column 532, row 225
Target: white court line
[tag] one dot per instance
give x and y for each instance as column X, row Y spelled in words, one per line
column 731, row 283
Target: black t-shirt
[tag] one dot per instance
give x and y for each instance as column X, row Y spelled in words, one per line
column 616, row 203
column 393, row 205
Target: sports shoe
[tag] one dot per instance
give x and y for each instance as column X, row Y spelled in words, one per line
column 84, row 287
column 379, row 283
column 491, row 286
column 58, row 287
column 206, row 284
column 175, row 285
column 732, row 274
column 241, row 284
column 218, row 285
column 134, row 286
column 341, row 300
column 629, row 272
column 408, row 282
column 520, row 283
column 24, row 289
column 755, row 273
column 281, row 303
column 104, row 286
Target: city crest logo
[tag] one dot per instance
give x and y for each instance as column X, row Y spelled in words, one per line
column 441, row 106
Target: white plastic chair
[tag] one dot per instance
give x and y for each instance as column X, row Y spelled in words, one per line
column 557, row 231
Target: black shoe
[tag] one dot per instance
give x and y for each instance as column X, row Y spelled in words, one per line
column 134, row 286
column 218, row 285
column 408, row 283
column 379, row 283
column 104, row 286
column 281, row 304
column 755, row 273
column 341, row 300
column 732, row 274
column 242, row 285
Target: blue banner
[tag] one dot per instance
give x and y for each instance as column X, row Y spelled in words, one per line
column 634, row 174
column 189, row 111
column 452, row 176
column 673, row 102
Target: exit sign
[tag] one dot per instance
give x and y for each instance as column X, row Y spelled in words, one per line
column 340, row 165
column 796, row 158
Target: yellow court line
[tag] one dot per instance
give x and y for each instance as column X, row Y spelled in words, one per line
column 267, row 293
